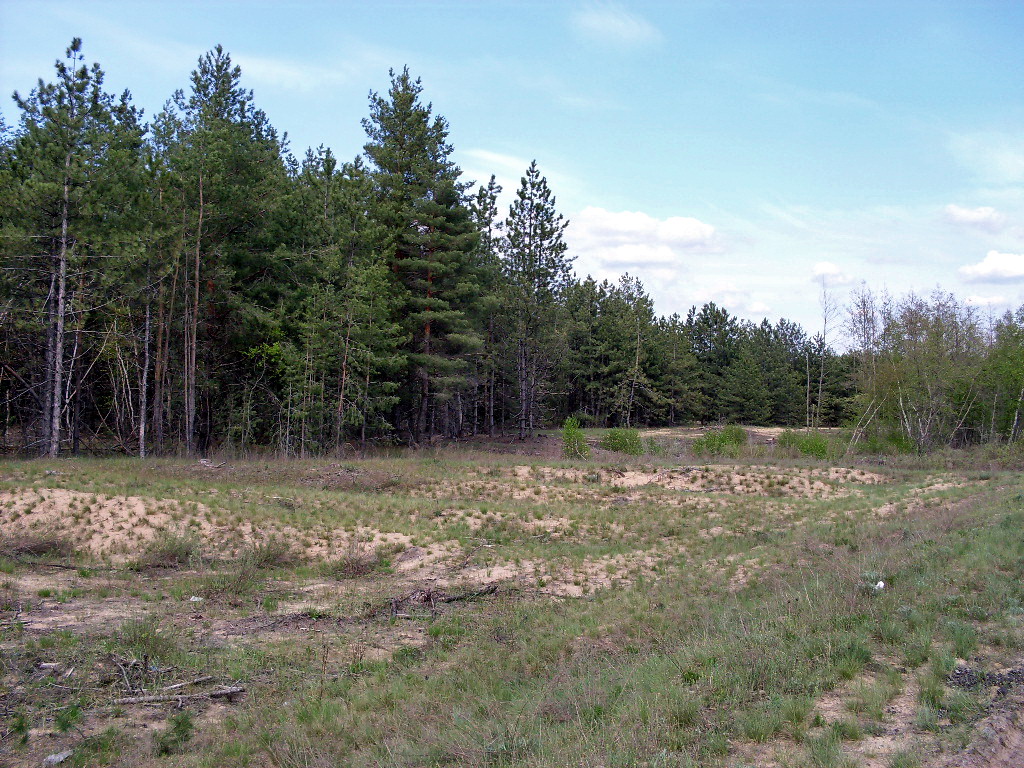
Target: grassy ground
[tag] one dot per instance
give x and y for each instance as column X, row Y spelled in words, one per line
column 469, row 607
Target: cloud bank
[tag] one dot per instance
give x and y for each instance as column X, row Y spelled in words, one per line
column 985, row 217
column 996, row 267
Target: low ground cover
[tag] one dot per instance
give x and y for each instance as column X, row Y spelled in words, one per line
column 472, row 607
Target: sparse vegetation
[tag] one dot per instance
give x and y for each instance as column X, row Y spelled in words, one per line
column 604, row 613
column 31, row 544
column 169, row 549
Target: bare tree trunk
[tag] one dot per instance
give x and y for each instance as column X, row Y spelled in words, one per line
column 524, row 404
column 1016, row 416
column 53, row 447
column 491, row 376
column 144, row 378
column 193, row 340
column 339, row 416
column 807, row 407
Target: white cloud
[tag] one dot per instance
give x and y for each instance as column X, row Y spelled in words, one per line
column 996, row 267
column 737, row 300
column 665, row 254
column 830, row 274
column 986, row 301
column 612, row 24
column 985, row 217
column 994, row 157
column 611, row 229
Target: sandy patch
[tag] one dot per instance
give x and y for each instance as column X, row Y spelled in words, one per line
column 560, row 579
column 117, row 528
column 535, row 482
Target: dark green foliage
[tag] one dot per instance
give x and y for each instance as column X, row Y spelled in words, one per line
column 190, row 286
column 537, row 271
column 68, row 717
column 432, row 240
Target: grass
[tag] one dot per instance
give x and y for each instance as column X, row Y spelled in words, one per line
column 169, row 550
column 727, row 441
column 36, row 545
column 679, row 661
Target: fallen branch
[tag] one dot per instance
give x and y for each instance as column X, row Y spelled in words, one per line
column 224, row 693
column 197, row 681
column 468, row 595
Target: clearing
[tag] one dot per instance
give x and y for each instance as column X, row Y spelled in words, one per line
column 487, row 607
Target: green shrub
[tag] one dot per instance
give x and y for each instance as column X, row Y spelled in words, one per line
column 887, row 443
column 808, row 443
column 726, row 441
column 623, row 441
column 574, row 442
column 180, row 728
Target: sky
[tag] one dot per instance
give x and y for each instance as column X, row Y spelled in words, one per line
column 748, row 152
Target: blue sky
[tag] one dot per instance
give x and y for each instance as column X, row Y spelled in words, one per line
column 742, row 152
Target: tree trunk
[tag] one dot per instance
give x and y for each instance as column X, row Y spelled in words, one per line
column 1016, row 416
column 144, row 378
column 193, row 338
column 57, row 392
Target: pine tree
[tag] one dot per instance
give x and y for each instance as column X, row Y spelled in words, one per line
column 714, row 336
column 432, row 238
column 68, row 200
column 538, row 271
column 744, row 397
column 488, row 258
column 225, row 180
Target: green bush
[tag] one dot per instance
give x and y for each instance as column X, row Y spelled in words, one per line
column 623, row 441
column 574, row 442
column 808, row 443
column 890, row 443
column 726, row 441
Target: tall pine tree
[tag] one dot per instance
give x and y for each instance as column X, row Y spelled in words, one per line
column 432, row 237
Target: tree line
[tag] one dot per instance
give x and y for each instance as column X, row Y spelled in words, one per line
column 189, row 284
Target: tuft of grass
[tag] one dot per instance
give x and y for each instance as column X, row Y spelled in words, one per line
column 180, row 728
column 760, row 724
column 169, row 550
column 100, row 749
column 273, row 552
column 358, row 560
column 825, row 751
column 904, row 759
column 147, row 638
column 927, row 718
column 846, row 730
column 30, row 544
column 962, row 707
